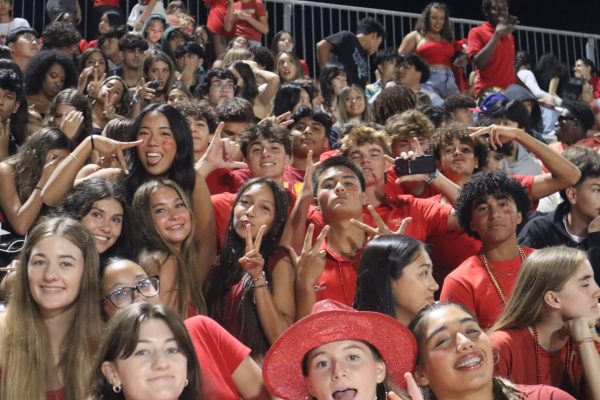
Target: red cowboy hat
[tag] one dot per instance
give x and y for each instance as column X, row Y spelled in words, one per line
column 331, row 321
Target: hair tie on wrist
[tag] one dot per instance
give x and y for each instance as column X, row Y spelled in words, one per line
column 92, row 139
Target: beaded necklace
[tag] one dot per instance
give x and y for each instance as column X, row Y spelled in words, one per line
column 538, row 357
column 495, row 282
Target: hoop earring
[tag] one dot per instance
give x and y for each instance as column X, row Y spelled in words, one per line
column 495, row 357
column 186, row 383
column 116, row 389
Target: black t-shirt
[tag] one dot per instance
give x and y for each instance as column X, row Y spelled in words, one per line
column 352, row 55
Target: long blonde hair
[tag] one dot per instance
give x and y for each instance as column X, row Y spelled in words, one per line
column 544, row 270
column 27, row 362
column 156, row 249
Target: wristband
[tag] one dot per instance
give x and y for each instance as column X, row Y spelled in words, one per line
column 92, row 139
column 258, row 277
column 264, row 285
column 432, row 177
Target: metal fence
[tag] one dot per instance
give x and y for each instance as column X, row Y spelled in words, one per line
column 310, row 22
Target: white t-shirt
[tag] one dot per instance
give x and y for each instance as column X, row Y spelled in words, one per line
column 138, row 10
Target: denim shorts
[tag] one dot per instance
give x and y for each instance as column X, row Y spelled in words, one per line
column 442, row 82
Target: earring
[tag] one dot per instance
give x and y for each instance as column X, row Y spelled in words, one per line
column 117, row 389
column 186, row 383
column 495, row 357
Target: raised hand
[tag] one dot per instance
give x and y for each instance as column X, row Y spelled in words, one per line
column 310, row 264
column 93, row 87
column 279, row 120
column 71, row 123
column 382, row 228
column 144, row 92
column 109, row 101
column 495, row 135
column 219, row 154
column 253, row 262
column 106, row 145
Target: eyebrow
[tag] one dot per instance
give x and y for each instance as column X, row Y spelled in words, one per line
column 586, row 277
column 348, row 176
column 348, row 347
column 445, row 328
column 150, row 341
column 59, row 256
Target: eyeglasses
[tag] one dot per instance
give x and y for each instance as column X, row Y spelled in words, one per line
column 124, row 296
column 222, row 86
column 563, row 119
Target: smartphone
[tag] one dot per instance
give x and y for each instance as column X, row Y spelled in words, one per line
column 424, row 164
column 154, row 84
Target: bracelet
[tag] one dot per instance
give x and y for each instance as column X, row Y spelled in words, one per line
column 75, row 158
column 38, row 188
column 266, row 284
column 432, row 177
column 585, row 340
column 261, row 275
column 92, row 139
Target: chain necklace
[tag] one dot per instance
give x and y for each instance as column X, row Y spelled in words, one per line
column 538, row 357
column 495, row 282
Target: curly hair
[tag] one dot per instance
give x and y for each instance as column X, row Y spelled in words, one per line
column 447, row 133
column 39, row 65
column 266, row 130
column 199, row 109
column 235, row 109
column 393, row 100
column 492, row 183
column 59, row 34
column 205, row 80
column 362, row 135
column 409, row 124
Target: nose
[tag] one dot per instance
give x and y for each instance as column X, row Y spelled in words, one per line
column 463, row 343
column 159, row 360
column 433, row 285
column 339, row 187
column 338, row 371
column 50, row 273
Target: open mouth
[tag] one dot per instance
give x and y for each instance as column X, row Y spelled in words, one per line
column 470, row 362
column 267, row 165
column 153, row 158
column 346, row 394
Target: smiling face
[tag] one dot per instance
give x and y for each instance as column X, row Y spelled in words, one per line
column 112, row 88
column 267, row 158
column 437, row 18
column 104, row 221
column 158, row 149
column 355, row 103
column 256, row 207
column 579, row 296
column 346, row 369
column 157, row 369
column 170, row 215
column 55, row 270
column 415, row 288
column 495, row 220
column 54, row 81
column 456, row 354
column 123, row 274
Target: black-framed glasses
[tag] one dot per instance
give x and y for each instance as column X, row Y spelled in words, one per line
column 124, row 296
column 562, row 119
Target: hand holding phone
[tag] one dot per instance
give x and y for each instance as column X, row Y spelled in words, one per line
column 424, row 164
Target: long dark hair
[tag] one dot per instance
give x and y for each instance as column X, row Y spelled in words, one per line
column 287, row 98
column 423, row 22
column 328, row 73
column 548, row 67
column 229, row 272
column 382, row 261
column 182, row 169
column 13, row 82
column 250, row 90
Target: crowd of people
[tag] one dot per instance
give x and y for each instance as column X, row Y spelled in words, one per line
column 188, row 214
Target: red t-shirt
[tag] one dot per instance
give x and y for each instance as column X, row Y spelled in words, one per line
column 595, row 83
column 219, row 355
column 470, row 285
column 543, row 392
column 58, row 394
column 216, row 16
column 221, row 181
column 500, row 70
column 392, row 189
column 242, row 28
column 517, row 360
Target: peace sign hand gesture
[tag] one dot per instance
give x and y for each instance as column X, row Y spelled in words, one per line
column 382, row 228
column 253, row 262
column 311, row 262
column 93, row 88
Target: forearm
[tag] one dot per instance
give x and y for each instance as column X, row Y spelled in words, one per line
column 553, row 86
column 272, row 81
column 22, row 216
column 295, row 227
column 305, row 299
column 261, row 26
column 229, row 17
column 272, row 320
column 148, row 11
column 323, row 51
column 205, row 227
column 445, row 186
column 484, row 56
column 590, row 361
column 61, row 180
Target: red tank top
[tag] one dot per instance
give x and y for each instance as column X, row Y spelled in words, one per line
column 434, row 52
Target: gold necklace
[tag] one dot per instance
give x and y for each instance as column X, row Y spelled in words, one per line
column 495, row 282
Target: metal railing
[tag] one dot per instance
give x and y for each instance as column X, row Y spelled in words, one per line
column 310, row 22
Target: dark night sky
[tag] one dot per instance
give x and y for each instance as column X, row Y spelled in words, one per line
column 573, row 15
